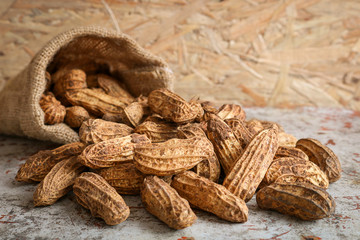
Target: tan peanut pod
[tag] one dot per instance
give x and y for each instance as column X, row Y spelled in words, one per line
column 113, row 118
column 227, row 148
column 125, row 178
column 111, row 152
column 240, row 131
column 196, row 106
column 98, row 130
column 95, row 194
column 133, row 114
column 283, row 151
column 228, row 111
column 269, row 124
column 289, row 169
column 322, row 156
column 167, row 179
column 165, row 203
column 208, row 107
column 144, row 103
column 171, row 106
column 114, row 88
column 209, row 196
column 75, row 116
column 58, row 182
column 95, row 102
column 254, row 126
column 159, row 131
column 302, row 200
column 172, row 156
column 54, row 112
column 286, row 139
column 39, row 165
column 190, row 130
column 251, row 167
column 68, row 80
column 209, row 168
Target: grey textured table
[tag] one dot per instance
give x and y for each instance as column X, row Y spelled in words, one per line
column 338, row 129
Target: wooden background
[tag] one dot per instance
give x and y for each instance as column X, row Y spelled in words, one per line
column 255, row 52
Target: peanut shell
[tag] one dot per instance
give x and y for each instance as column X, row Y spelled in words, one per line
column 284, row 151
column 54, row 112
column 158, row 131
column 125, row 178
column 39, row 165
column 58, row 182
column 228, row 111
column 227, row 147
column 165, row 203
column 305, row 201
column 289, row 169
column 111, row 152
column 172, row 156
column 95, row 194
column 322, row 156
column 171, row 106
column 211, row 197
column 75, row 116
column 248, row 172
column 96, row 102
column 98, row 130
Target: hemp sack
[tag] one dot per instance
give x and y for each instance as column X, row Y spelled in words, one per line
column 88, row 48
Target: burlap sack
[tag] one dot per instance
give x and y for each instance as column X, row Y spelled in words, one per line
column 89, row 47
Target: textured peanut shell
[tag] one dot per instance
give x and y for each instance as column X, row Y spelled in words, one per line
column 283, row 151
column 75, row 116
column 113, row 88
column 68, row 80
column 54, row 112
column 268, row 124
column 165, row 203
column 228, row 111
column 125, row 178
column 95, row 102
column 248, row 172
column 171, row 106
column 111, row 152
column 322, row 156
column 190, row 130
column 39, row 165
column 286, row 139
column 196, row 106
column 240, row 131
column 134, row 113
column 289, row 169
column 227, row 148
column 209, row 168
column 211, row 197
column 305, row 201
column 58, row 182
column 98, row 130
column 95, row 194
column 254, row 126
column 158, row 131
column 172, row 156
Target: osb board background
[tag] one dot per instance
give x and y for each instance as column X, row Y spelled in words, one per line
column 255, row 52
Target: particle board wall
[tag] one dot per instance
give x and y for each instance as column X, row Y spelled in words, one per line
column 254, row 52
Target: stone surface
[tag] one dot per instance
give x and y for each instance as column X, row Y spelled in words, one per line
column 338, row 129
